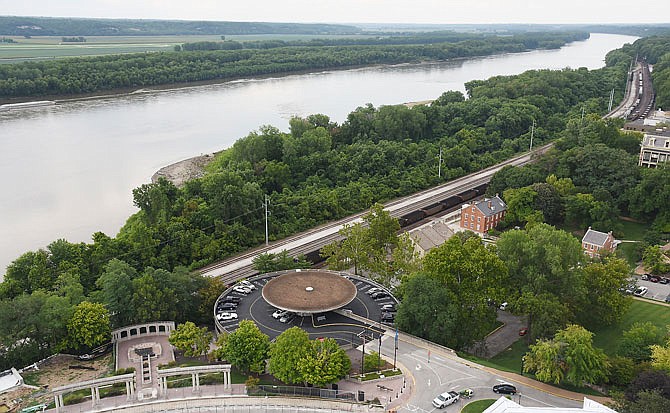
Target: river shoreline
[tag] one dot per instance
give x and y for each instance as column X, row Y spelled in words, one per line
column 120, row 92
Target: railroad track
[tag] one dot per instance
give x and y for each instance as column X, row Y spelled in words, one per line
column 241, row 266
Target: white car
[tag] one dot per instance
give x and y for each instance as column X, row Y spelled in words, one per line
column 286, row 318
column 226, row 316
column 641, row 291
column 503, row 306
column 242, row 289
column 279, row 314
column 445, row 399
column 373, row 290
column 247, row 284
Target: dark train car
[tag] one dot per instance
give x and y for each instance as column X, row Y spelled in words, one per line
column 433, row 209
column 314, row 257
column 450, row 202
column 467, row 195
column 411, row 218
column 481, row 189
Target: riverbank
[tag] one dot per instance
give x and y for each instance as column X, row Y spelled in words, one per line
column 180, row 172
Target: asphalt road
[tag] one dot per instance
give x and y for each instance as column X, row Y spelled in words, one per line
column 443, row 372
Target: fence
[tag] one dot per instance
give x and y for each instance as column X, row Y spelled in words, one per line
column 265, row 390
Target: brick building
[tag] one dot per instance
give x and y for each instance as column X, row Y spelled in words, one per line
column 483, row 215
column 594, row 243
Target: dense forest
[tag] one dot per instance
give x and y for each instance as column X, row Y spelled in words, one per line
column 59, row 26
column 95, row 74
column 317, row 172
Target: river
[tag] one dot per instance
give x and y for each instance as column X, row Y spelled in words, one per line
column 67, row 171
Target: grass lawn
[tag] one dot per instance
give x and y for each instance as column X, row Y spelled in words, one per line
column 632, row 231
column 607, row 338
column 478, row 406
column 627, row 251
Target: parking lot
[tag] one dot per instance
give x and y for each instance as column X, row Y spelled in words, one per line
column 655, row 290
column 345, row 330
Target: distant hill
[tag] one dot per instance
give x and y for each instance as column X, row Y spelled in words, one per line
column 56, row 26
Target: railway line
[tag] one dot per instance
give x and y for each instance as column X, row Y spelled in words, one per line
column 310, row 242
column 639, row 97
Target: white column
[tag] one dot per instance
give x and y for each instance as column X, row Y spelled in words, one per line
column 93, row 396
column 197, row 381
column 56, row 403
column 60, row 399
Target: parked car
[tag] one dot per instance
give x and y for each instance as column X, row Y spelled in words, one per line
column 379, row 294
column 242, row 289
column 387, row 317
column 222, row 307
column 247, row 284
column 504, row 388
column 645, row 277
column 654, row 279
column 279, row 314
column 664, row 280
column 503, row 306
column 226, row 316
column 667, row 299
column 287, row 318
column 388, row 307
column 373, row 290
column 445, row 399
column 231, row 299
column 523, row 331
column 641, row 291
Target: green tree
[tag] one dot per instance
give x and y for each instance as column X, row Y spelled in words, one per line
column 191, row 339
column 604, row 303
column 286, row 351
column 89, row 326
column 352, row 250
column 116, row 284
column 270, row 262
column 637, row 341
column 647, row 401
column 326, row 363
column 521, row 206
column 653, row 259
column 247, row 347
column 569, row 356
column 429, row 310
column 473, row 274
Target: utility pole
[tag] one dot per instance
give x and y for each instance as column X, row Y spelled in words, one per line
column 532, row 132
column 609, row 108
column 267, row 239
column 439, row 165
column 363, row 355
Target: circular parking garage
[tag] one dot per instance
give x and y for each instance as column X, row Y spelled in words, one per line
column 324, row 303
column 306, row 292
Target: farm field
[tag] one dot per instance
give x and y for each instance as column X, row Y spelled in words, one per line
column 52, row 47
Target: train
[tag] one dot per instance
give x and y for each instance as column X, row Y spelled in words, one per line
column 415, row 216
column 443, row 205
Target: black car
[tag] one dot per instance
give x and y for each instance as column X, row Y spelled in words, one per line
column 226, row 306
column 387, row 317
column 504, row 388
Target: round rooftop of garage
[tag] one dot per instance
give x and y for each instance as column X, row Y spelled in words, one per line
column 309, row 291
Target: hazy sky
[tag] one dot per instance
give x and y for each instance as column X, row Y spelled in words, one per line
column 355, row 11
